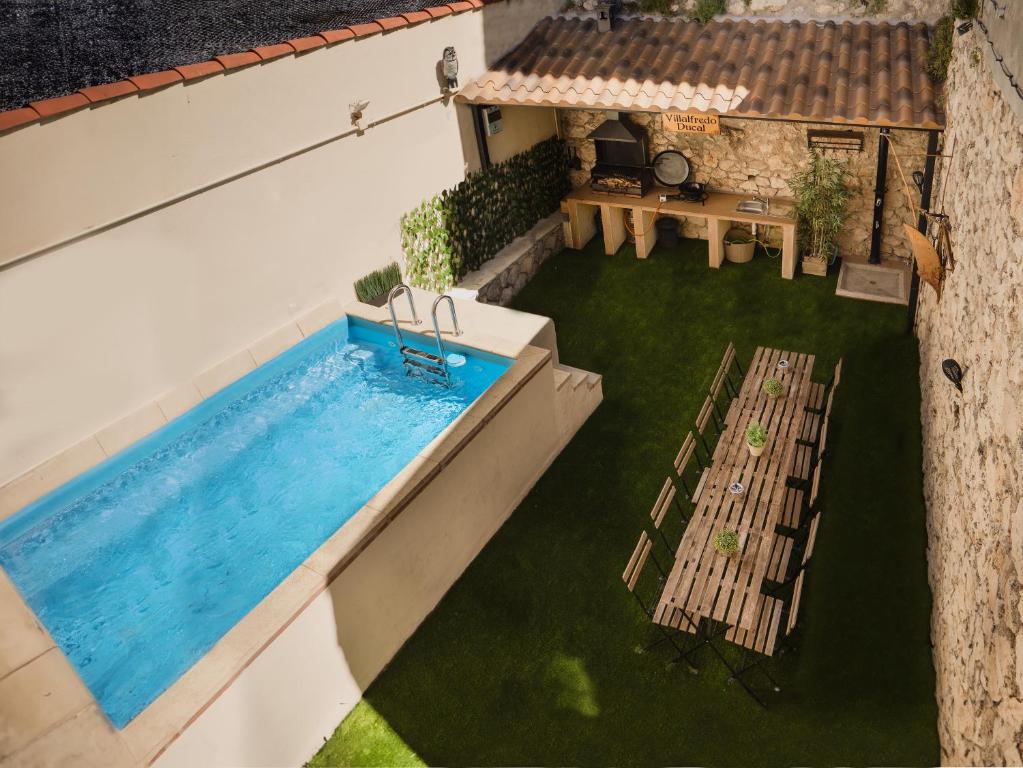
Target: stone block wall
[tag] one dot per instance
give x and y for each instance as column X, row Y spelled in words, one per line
column 503, row 276
column 973, row 442
column 761, row 157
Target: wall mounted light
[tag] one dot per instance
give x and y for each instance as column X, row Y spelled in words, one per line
column 449, row 65
column 918, row 179
column 965, row 27
column 953, row 372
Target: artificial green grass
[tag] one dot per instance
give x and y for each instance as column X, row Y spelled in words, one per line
column 533, row 657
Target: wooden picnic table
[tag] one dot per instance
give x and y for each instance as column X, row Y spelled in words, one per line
column 702, row 582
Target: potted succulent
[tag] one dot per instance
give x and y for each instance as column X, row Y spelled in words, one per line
column 739, row 245
column 821, row 191
column 726, row 542
column 773, row 388
column 756, row 438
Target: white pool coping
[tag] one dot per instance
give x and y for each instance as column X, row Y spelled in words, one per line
column 47, row 673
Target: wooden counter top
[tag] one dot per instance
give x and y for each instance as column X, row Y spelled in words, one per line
column 719, row 204
column 719, row 209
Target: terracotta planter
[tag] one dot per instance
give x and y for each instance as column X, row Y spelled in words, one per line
column 755, row 451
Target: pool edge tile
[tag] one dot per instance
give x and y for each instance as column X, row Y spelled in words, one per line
column 131, row 428
column 86, row 739
column 404, row 485
column 276, row 342
column 176, row 401
column 24, row 638
column 36, row 698
column 320, row 317
column 224, row 373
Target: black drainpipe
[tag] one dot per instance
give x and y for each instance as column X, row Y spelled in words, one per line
column 921, row 224
column 481, row 136
column 880, row 182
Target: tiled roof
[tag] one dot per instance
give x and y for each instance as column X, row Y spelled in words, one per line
column 857, row 73
column 356, row 14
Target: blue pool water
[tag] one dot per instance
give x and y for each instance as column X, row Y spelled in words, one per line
column 140, row 565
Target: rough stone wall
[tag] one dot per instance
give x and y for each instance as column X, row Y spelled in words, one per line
column 501, row 278
column 891, row 10
column 973, row 442
column 761, row 157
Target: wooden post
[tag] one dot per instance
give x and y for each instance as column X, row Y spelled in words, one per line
column 715, row 247
column 580, row 220
column 921, row 224
column 788, row 252
column 644, row 223
column 614, row 228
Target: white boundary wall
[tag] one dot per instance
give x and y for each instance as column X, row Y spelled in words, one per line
column 148, row 239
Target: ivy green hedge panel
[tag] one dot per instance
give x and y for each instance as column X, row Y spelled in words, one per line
column 455, row 231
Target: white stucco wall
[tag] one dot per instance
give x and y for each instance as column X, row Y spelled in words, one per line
column 148, row 239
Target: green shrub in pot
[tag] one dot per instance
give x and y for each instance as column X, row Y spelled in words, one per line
column 773, row 388
column 726, row 542
column 756, row 438
column 822, row 191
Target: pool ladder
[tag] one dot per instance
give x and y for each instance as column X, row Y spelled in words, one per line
column 432, row 367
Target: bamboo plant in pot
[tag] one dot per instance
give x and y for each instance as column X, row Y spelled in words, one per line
column 756, row 438
column 822, row 192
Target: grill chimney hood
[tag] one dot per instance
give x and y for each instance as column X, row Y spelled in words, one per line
column 615, row 129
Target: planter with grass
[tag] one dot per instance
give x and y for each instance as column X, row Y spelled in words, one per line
column 756, row 438
column 821, row 191
column 739, row 246
column 374, row 287
column 773, row 388
column 726, row 542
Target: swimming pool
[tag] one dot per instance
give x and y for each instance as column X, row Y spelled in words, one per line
column 138, row 566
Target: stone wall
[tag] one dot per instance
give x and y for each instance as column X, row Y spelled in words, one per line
column 500, row 278
column 761, row 157
column 973, row 442
column 890, row 10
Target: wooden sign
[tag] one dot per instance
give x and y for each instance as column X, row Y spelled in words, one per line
column 690, row 122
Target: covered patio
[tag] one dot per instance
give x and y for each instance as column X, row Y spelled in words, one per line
column 742, row 101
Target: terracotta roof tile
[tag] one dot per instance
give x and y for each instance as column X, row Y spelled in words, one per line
column 96, row 93
column 865, row 73
column 337, row 35
column 16, row 117
column 416, row 17
column 54, row 106
column 236, row 60
column 365, row 30
column 268, row 52
column 392, row 22
column 199, row 69
column 153, row 80
column 192, row 71
column 302, row 44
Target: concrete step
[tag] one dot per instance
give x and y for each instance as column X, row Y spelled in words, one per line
column 561, row 378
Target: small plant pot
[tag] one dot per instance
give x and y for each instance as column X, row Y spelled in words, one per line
column 755, row 451
column 737, row 250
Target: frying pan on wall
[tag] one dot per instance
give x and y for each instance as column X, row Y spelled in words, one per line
column 671, row 168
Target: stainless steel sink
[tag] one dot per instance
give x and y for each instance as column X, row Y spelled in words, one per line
column 752, row 206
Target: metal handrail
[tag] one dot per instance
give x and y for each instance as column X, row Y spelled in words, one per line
column 395, row 292
column 436, row 327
